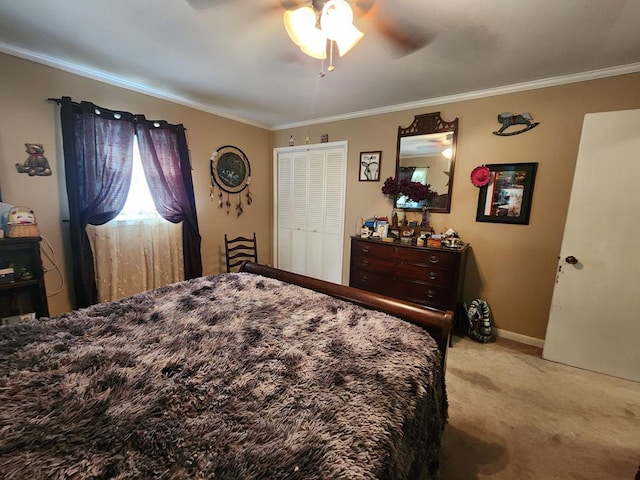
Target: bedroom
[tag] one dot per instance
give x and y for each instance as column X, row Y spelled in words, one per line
column 520, row 302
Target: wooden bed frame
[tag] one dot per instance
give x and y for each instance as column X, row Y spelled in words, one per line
column 436, row 322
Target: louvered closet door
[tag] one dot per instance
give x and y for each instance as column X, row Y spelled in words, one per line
column 283, row 214
column 334, row 203
column 315, row 214
column 300, row 179
column 311, row 184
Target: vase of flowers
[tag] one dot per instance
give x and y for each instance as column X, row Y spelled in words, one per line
column 413, row 191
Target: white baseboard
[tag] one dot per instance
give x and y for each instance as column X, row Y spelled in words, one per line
column 517, row 337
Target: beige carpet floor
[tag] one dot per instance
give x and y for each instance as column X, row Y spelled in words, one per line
column 513, row 415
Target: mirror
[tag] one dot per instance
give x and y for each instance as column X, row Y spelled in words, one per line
column 427, row 154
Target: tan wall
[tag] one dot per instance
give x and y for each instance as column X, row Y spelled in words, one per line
column 511, row 266
column 28, row 117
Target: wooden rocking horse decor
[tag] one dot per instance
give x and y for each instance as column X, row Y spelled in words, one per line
column 508, row 120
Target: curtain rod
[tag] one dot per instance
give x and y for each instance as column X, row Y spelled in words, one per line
column 59, row 101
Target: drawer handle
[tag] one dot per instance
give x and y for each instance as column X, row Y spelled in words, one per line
column 364, row 279
column 434, row 259
column 432, row 275
column 365, row 263
column 431, row 294
column 365, row 249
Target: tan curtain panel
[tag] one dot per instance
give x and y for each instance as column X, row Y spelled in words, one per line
column 134, row 256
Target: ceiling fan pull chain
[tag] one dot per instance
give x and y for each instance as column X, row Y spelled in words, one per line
column 322, row 74
column 331, row 67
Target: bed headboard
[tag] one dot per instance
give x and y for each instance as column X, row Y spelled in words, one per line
column 436, row 322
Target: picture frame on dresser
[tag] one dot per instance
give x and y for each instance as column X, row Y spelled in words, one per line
column 508, row 196
column 370, row 166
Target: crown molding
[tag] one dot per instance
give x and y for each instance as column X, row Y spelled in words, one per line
column 116, row 81
column 111, row 79
column 490, row 92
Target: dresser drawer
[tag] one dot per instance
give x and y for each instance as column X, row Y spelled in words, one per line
column 369, row 249
column 425, row 274
column 371, row 281
column 426, row 257
column 400, row 254
column 373, row 264
column 437, row 296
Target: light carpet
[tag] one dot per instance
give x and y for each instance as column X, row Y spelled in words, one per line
column 513, row 415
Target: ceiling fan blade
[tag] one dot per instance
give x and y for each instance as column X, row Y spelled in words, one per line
column 294, row 4
column 405, row 39
column 203, row 4
column 362, row 7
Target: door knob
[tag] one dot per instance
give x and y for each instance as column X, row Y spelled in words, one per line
column 571, row 260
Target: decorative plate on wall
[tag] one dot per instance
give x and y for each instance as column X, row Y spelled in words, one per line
column 231, row 173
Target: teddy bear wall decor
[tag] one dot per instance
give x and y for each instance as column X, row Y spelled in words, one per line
column 36, row 163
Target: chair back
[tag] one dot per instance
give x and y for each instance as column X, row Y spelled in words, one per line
column 240, row 249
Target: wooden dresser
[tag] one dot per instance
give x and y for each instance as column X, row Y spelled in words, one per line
column 428, row 276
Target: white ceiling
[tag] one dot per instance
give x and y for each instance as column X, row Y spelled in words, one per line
column 234, row 58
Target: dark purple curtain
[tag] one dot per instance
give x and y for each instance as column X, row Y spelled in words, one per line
column 98, row 154
column 165, row 159
column 98, row 157
column 406, row 173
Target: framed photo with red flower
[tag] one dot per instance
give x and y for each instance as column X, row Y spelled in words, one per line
column 370, row 166
column 508, row 195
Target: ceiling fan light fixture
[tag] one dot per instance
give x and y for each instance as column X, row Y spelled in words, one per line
column 315, row 46
column 336, row 24
column 347, row 39
column 336, row 15
column 298, row 22
column 300, row 25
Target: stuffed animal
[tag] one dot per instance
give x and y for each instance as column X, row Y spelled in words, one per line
column 36, row 163
column 21, row 222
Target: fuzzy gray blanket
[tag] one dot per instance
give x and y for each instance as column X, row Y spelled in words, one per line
column 233, row 376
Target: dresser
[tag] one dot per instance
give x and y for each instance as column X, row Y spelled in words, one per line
column 428, row 276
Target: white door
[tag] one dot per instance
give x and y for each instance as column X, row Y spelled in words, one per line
column 283, row 215
column 309, row 207
column 594, row 322
column 299, row 197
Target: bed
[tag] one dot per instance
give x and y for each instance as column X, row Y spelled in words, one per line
column 261, row 374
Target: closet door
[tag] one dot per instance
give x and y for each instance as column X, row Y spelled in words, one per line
column 309, row 211
column 300, row 179
column 315, row 214
column 334, row 205
column 284, row 212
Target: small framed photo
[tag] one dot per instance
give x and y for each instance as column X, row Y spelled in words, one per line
column 370, row 166
column 508, row 195
column 383, row 229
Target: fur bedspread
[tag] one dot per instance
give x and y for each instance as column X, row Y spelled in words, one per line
column 233, row 376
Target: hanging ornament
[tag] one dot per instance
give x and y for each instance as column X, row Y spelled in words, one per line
column 231, row 173
column 480, row 176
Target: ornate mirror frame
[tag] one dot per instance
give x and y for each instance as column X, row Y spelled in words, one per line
column 431, row 134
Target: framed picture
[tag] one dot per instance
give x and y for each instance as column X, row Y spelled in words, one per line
column 507, row 196
column 370, row 166
column 383, row 229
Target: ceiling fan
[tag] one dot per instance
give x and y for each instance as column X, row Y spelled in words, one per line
column 402, row 33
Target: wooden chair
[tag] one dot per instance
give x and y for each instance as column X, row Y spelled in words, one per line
column 240, row 249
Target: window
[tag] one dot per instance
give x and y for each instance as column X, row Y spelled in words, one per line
column 139, row 204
